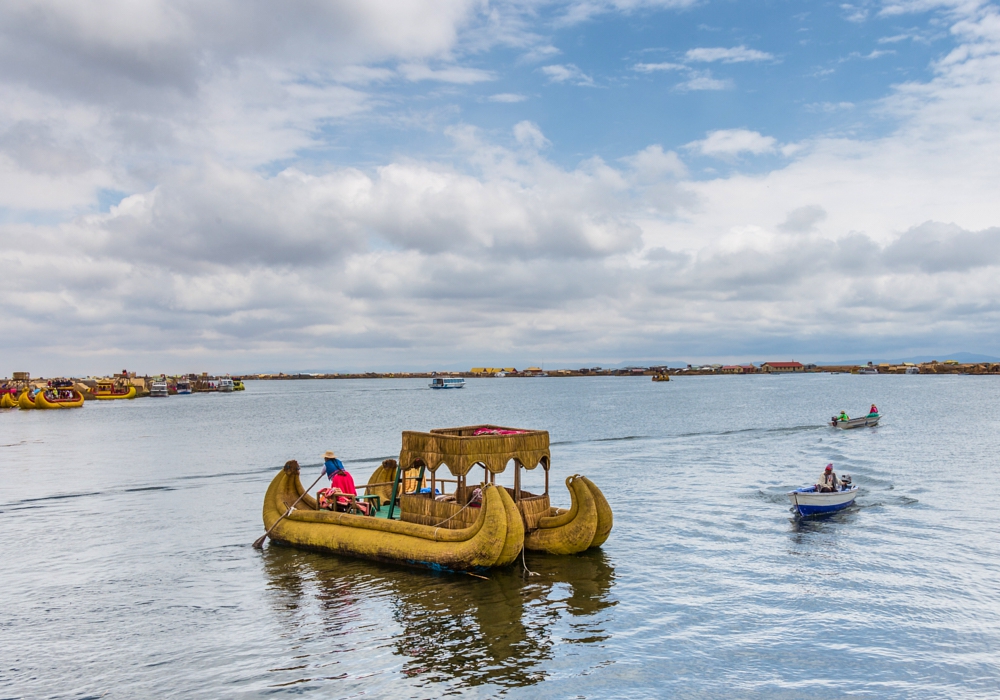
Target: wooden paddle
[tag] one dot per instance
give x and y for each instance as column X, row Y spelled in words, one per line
column 258, row 544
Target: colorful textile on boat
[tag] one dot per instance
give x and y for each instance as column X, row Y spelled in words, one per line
column 498, row 431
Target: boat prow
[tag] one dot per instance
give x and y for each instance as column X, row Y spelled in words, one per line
column 807, row 501
column 587, row 523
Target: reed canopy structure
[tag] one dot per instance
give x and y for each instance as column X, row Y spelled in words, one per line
column 587, row 523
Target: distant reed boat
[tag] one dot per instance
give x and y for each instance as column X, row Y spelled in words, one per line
column 59, row 397
column 108, row 389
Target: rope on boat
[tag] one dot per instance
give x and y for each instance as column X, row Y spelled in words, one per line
column 525, row 565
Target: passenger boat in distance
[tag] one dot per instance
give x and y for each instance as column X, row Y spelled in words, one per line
column 225, row 385
column 59, row 397
column 869, row 421
column 108, row 389
column 447, row 383
column 807, row 501
column 159, row 388
column 183, row 386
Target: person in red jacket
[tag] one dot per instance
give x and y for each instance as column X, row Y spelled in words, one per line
column 341, row 482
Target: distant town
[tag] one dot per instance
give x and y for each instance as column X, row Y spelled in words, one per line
column 789, row 367
column 146, row 385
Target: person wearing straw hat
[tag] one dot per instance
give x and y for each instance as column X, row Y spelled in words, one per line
column 341, row 482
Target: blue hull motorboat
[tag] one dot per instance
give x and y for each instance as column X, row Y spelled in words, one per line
column 808, row 501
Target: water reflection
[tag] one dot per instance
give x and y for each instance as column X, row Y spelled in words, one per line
column 452, row 629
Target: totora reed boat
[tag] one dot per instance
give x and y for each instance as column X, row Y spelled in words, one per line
column 60, row 397
column 474, row 527
column 112, row 389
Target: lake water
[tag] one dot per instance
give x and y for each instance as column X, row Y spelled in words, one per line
column 127, row 570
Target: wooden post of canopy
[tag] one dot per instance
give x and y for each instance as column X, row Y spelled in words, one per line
column 517, row 481
column 433, row 480
column 545, row 465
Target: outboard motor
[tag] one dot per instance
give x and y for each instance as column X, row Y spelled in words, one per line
column 845, row 481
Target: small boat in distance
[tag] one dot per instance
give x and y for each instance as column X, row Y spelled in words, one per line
column 807, row 501
column 183, row 386
column 238, row 385
column 661, row 377
column 869, row 421
column 225, row 385
column 447, row 383
column 108, row 389
column 159, row 388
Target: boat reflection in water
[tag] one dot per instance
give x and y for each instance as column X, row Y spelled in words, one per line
column 455, row 630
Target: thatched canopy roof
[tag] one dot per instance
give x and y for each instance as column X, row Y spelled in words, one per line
column 461, row 448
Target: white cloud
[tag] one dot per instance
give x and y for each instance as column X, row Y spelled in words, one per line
column 508, row 97
column 528, row 134
column 737, row 54
column 828, row 107
column 703, row 80
column 450, row 74
column 652, row 163
column 567, row 73
column 733, row 142
column 653, row 67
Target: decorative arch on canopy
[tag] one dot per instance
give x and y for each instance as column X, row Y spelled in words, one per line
column 491, row 446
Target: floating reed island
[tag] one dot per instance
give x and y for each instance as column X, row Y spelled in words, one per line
column 24, row 392
column 417, row 518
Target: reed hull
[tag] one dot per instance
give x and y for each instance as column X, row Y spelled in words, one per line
column 570, row 531
column 605, row 517
column 108, row 397
column 8, row 401
column 24, row 401
column 491, row 541
column 42, row 402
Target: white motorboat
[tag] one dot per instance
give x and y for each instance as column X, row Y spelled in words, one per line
column 183, row 386
column 225, row 384
column 159, row 388
column 447, row 383
column 808, row 501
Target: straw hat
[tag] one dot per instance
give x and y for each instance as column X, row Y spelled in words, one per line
column 329, row 455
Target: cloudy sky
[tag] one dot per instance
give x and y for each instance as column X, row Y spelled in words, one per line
column 374, row 184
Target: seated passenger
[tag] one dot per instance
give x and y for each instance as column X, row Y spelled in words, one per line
column 843, row 416
column 873, row 411
column 341, row 482
column 828, row 481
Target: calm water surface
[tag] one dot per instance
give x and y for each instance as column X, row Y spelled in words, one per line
column 126, row 569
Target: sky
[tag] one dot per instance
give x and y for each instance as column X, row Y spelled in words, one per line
column 375, row 185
